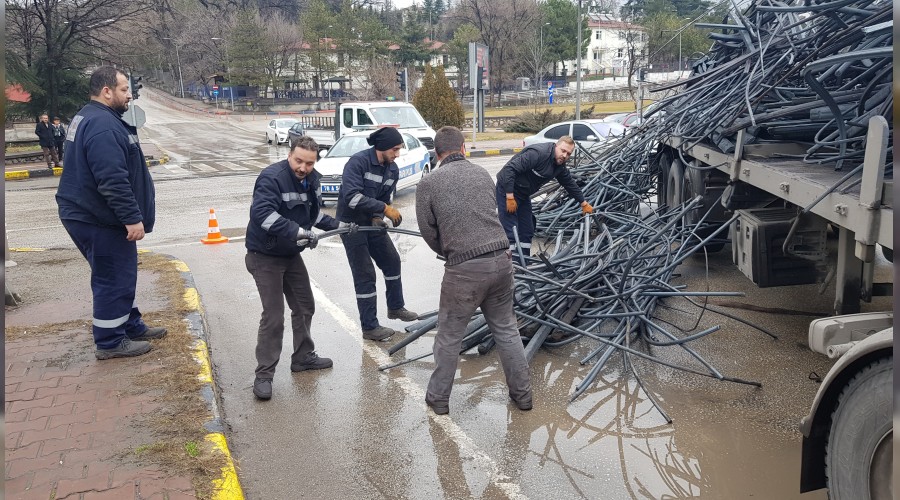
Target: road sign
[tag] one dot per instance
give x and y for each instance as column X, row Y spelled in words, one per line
column 215, row 87
column 215, row 92
column 135, row 116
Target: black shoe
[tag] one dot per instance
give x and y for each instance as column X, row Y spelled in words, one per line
column 262, row 388
column 403, row 314
column 438, row 408
column 378, row 333
column 312, row 362
column 151, row 334
column 127, row 349
column 524, row 404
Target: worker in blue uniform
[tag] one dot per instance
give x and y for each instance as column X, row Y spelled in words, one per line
column 522, row 176
column 107, row 204
column 367, row 187
column 285, row 207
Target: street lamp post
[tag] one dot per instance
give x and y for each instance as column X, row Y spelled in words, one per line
column 230, row 83
column 178, row 60
column 578, row 67
column 540, row 70
column 678, row 31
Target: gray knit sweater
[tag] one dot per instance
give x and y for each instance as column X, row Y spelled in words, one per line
column 457, row 211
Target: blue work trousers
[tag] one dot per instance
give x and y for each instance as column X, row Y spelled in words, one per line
column 113, row 261
column 522, row 220
column 362, row 248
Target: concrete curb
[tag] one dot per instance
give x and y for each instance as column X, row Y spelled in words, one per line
column 492, row 152
column 227, row 487
column 21, row 175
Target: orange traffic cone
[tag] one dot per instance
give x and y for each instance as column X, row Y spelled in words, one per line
column 212, row 234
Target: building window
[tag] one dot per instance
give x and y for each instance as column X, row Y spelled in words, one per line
column 621, row 35
column 597, row 35
column 596, row 55
column 620, row 52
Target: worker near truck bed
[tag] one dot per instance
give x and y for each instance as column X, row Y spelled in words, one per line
column 367, row 186
column 522, row 176
column 285, row 207
column 457, row 221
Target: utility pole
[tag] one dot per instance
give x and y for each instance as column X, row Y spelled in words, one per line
column 578, row 67
column 178, row 60
column 406, row 87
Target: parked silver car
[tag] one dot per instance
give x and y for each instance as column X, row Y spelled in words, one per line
column 588, row 133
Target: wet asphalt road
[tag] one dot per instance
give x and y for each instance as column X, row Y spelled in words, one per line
column 356, row 432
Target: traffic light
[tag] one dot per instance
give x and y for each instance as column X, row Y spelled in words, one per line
column 480, row 82
column 642, row 74
column 135, row 83
column 401, row 80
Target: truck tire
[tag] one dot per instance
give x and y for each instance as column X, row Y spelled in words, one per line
column 858, row 458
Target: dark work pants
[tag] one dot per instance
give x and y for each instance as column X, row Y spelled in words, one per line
column 59, row 150
column 113, row 261
column 362, row 248
column 487, row 283
column 50, row 153
column 522, row 220
column 277, row 279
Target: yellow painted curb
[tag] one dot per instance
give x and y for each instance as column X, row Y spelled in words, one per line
column 192, row 299
column 26, row 249
column 228, row 487
column 16, row 175
column 201, row 354
column 491, row 151
column 182, row 267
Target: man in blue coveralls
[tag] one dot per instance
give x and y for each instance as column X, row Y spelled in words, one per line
column 107, row 203
column 367, row 186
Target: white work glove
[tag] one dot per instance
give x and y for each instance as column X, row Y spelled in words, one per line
column 307, row 238
column 352, row 226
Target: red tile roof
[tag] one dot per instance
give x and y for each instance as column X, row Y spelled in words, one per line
column 16, row 93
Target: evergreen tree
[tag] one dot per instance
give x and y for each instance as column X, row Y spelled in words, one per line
column 437, row 101
column 246, row 54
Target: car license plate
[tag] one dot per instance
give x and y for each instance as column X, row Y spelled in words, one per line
column 330, row 188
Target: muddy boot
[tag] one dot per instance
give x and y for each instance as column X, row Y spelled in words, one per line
column 378, row 333
column 403, row 314
column 127, row 349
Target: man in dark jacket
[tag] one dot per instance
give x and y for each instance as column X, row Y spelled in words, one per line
column 45, row 139
column 107, row 203
column 522, row 176
column 285, row 207
column 59, row 136
column 457, row 221
column 367, row 186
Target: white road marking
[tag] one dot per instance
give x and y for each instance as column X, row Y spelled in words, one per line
column 201, row 167
column 232, row 166
column 468, row 450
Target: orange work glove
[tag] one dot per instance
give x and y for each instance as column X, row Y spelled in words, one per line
column 392, row 213
column 586, row 208
column 511, row 205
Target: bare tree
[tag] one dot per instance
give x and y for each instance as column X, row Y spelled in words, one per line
column 283, row 40
column 501, row 25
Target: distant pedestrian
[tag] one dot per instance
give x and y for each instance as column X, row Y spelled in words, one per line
column 59, row 136
column 455, row 211
column 523, row 175
column 368, row 183
column 284, row 209
column 107, row 203
column 45, row 139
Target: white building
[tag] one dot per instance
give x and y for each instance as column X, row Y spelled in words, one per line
column 612, row 45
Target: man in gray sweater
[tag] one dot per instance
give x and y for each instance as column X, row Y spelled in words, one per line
column 457, row 217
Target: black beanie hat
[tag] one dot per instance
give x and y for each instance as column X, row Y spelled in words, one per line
column 385, row 138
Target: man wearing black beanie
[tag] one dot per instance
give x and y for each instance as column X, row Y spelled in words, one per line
column 367, row 186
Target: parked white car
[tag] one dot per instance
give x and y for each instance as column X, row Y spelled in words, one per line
column 412, row 162
column 588, row 133
column 277, row 130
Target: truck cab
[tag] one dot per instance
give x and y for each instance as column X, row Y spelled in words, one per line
column 352, row 116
